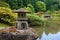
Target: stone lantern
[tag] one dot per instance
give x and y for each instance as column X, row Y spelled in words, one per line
column 21, row 22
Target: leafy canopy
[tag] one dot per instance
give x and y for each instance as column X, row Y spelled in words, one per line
column 40, row 6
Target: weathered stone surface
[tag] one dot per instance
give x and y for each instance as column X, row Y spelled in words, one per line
column 11, row 33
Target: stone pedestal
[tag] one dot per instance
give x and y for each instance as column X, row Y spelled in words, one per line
column 22, row 23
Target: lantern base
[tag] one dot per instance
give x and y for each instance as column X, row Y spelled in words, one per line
column 15, row 34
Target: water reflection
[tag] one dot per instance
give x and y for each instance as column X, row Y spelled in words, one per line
column 50, row 36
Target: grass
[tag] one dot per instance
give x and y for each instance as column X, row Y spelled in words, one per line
column 3, row 25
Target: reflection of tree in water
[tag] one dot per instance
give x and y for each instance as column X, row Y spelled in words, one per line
column 47, row 30
column 52, row 30
column 51, row 26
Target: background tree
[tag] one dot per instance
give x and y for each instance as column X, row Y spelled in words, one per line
column 13, row 3
column 31, row 7
column 51, row 4
column 4, row 4
column 40, row 6
column 20, row 4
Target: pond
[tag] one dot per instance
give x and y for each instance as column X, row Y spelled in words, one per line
column 50, row 36
column 48, row 33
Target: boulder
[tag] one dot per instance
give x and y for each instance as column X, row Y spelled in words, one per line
column 11, row 33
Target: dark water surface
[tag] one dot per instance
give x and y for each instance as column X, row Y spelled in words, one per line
column 48, row 33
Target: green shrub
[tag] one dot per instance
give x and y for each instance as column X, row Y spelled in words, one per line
column 40, row 6
column 49, row 12
column 6, row 15
column 3, row 4
column 31, row 7
column 28, row 9
column 35, row 20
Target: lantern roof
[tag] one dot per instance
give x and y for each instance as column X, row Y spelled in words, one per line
column 21, row 11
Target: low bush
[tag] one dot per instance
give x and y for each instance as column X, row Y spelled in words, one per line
column 35, row 20
column 6, row 16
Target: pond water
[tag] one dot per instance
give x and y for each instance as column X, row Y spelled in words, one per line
column 48, row 33
column 50, row 36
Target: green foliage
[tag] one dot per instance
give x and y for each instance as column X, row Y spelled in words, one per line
column 35, row 20
column 56, row 15
column 49, row 11
column 3, row 4
column 28, row 9
column 40, row 6
column 54, row 7
column 13, row 3
column 20, row 3
column 32, row 8
column 2, row 25
column 7, row 16
column 52, row 4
